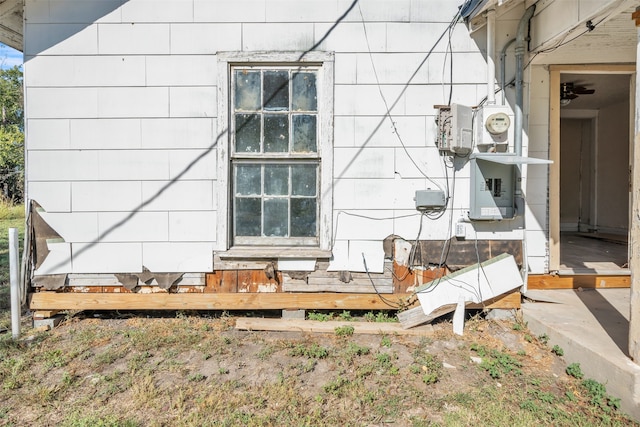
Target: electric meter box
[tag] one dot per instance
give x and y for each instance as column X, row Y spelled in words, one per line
column 494, row 130
column 455, row 124
column 492, row 189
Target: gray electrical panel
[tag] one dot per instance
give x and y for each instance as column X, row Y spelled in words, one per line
column 430, row 200
column 492, row 190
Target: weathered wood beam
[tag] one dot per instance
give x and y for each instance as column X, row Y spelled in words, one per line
column 237, row 301
column 295, row 325
column 212, row 301
column 506, row 301
column 45, row 314
column 548, row 281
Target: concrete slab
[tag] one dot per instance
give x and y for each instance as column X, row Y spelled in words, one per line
column 592, row 327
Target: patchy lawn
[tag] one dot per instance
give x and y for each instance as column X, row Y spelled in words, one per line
column 196, row 369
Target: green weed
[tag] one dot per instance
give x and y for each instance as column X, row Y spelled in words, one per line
column 497, row 363
column 314, row 351
column 322, row 317
column 544, row 339
column 336, row 385
column 575, row 371
column 557, row 350
column 344, row 331
column 345, row 315
column 380, row 317
column 427, row 365
column 598, row 396
column 266, row 352
column 79, row 420
column 385, row 341
column 197, row 377
column 354, row 349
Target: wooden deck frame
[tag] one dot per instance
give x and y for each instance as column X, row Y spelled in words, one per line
column 235, row 301
column 586, row 281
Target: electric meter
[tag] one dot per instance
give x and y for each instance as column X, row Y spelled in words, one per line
column 497, row 123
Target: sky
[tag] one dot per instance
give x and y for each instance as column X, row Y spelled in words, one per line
column 9, row 57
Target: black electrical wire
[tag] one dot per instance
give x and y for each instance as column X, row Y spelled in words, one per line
column 388, row 110
column 391, row 304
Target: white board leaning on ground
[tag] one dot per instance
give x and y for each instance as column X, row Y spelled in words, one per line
column 474, row 284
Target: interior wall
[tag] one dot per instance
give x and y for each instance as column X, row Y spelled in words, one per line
column 612, row 165
column 575, row 173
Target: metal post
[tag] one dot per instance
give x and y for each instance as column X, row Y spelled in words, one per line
column 14, row 275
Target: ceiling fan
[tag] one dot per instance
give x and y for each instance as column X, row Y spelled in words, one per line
column 569, row 91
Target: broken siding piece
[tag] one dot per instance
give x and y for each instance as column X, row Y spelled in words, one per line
column 476, row 283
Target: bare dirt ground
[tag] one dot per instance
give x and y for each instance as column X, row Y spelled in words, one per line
column 196, row 369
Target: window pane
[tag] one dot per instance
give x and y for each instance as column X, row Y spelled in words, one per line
column 276, row 133
column 304, row 134
column 276, row 180
column 247, row 133
column 276, row 90
column 247, row 216
column 248, row 180
column 303, row 180
column 305, row 97
column 303, row 218
column 276, row 212
column 247, row 90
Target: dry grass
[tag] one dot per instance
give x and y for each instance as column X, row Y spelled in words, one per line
column 197, row 371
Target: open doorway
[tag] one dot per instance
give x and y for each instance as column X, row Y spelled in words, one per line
column 594, row 172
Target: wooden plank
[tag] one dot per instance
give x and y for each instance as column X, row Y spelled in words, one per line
column 548, row 281
column 335, row 275
column 257, row 281
column 333, row 287
column 44, row 314
column 222, row 281
column 296, row 325
column 406, row 280
column 403, row 279
column 362, row 281
column 214, row 301
column 415, row 316
column 506, row 301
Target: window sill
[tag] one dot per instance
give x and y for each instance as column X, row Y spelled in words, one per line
column 243, row 252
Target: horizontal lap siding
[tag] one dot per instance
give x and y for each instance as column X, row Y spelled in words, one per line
column 121, row 99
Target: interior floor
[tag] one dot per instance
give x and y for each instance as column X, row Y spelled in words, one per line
column 593, row 253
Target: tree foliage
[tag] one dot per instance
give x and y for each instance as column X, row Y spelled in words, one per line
column 11, row 134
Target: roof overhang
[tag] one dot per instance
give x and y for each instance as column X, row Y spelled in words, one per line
column 11, row 23
column 475, row 11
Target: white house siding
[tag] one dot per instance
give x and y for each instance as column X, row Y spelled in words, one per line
column 535, row 183
column 121, row 98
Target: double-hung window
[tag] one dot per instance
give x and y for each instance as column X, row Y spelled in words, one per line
column 279, row 157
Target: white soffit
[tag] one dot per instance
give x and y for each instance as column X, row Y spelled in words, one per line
column 11, row 23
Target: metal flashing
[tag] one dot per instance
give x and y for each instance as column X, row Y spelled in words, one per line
column 509, row 159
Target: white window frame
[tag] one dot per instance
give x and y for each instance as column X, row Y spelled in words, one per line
column 325, row 83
